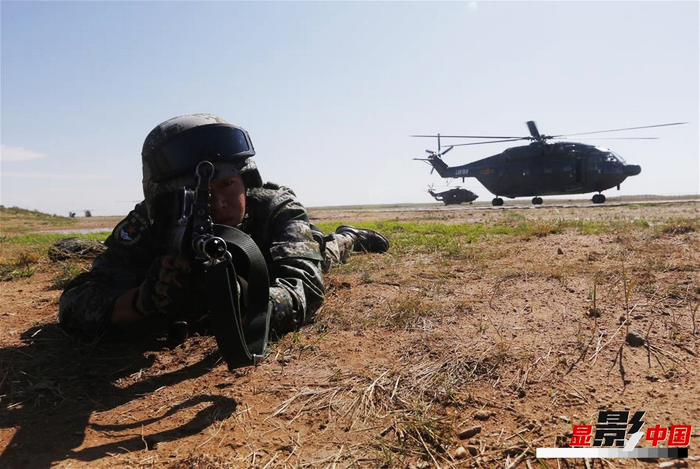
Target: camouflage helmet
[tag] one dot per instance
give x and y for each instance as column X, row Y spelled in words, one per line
column 173, row 149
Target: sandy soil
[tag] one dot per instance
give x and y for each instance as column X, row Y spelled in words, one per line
column 513, row 339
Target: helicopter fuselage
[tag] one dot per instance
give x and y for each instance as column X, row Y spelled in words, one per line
column 454, row 196
column 542, row 168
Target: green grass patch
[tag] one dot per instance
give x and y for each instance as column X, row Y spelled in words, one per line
column 451, row 239
column 587, row 227
column 9, row 272
column 421, row 237
column 34, row 239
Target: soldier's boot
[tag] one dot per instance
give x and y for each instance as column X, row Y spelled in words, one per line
column 365, row 240
column 178, row 332
column 319, row 237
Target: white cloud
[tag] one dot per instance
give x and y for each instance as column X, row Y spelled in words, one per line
column 8, row 153
column 72, row 177
column 473, row 6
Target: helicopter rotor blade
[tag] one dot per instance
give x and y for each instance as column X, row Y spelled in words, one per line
column 619, row 130
column 535, row 133
column 466, row 136
column 448, row 149
column 497, row 141
column 533, row 130
column 620, row 138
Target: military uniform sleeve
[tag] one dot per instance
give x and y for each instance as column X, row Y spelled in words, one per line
column 87, row 302
column 293, row 257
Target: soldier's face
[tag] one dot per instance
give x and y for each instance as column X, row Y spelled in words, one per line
column 227, row 200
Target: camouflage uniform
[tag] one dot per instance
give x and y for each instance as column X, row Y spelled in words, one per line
column 275, row 220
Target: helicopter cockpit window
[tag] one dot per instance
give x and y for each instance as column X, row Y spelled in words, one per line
column 609, row 156
column 617, row 157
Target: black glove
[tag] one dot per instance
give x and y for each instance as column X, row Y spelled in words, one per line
column 166, row 288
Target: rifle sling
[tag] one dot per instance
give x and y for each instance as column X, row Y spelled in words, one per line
column 241, row 335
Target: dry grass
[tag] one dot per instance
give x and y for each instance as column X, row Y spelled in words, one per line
column 456, row 327
column 21, row 265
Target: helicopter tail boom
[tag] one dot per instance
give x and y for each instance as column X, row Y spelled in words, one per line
column 440, row 166
column 436, row 196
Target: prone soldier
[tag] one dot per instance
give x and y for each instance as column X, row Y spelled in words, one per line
column 140, row 277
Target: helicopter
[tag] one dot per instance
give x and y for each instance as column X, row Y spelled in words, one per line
column 454, row 196
column 541, row 168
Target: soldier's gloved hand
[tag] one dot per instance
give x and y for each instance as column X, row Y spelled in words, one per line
column 165, row 289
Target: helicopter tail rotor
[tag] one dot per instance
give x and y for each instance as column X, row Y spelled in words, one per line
column 432, row 156
column 435, row 155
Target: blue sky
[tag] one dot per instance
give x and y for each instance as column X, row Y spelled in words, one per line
column 331, row 91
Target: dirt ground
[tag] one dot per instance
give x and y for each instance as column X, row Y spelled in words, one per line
column 470, row 356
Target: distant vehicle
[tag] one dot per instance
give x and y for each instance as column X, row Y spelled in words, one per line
column 541, row 168
column 454, row 196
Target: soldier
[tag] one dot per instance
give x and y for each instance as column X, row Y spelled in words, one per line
column 137, row 280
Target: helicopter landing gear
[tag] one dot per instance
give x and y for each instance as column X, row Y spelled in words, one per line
column 598, row 199
column 537, row 201
column 497, row 202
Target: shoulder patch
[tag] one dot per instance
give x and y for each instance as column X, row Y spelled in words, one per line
column 129, row 230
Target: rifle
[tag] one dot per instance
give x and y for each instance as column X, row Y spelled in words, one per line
column 217, row 253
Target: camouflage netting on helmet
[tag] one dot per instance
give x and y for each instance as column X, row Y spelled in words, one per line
column 75, row 248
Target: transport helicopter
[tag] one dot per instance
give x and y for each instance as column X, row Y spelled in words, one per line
column 454, row 196
column 541, row 168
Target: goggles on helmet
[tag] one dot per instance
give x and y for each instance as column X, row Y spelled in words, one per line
column 186, row 150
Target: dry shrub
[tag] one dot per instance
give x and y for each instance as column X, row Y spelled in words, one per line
column 543, row 229
column 26, row 258
column 678, row 228
column 21, row 266
column 407, row 312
